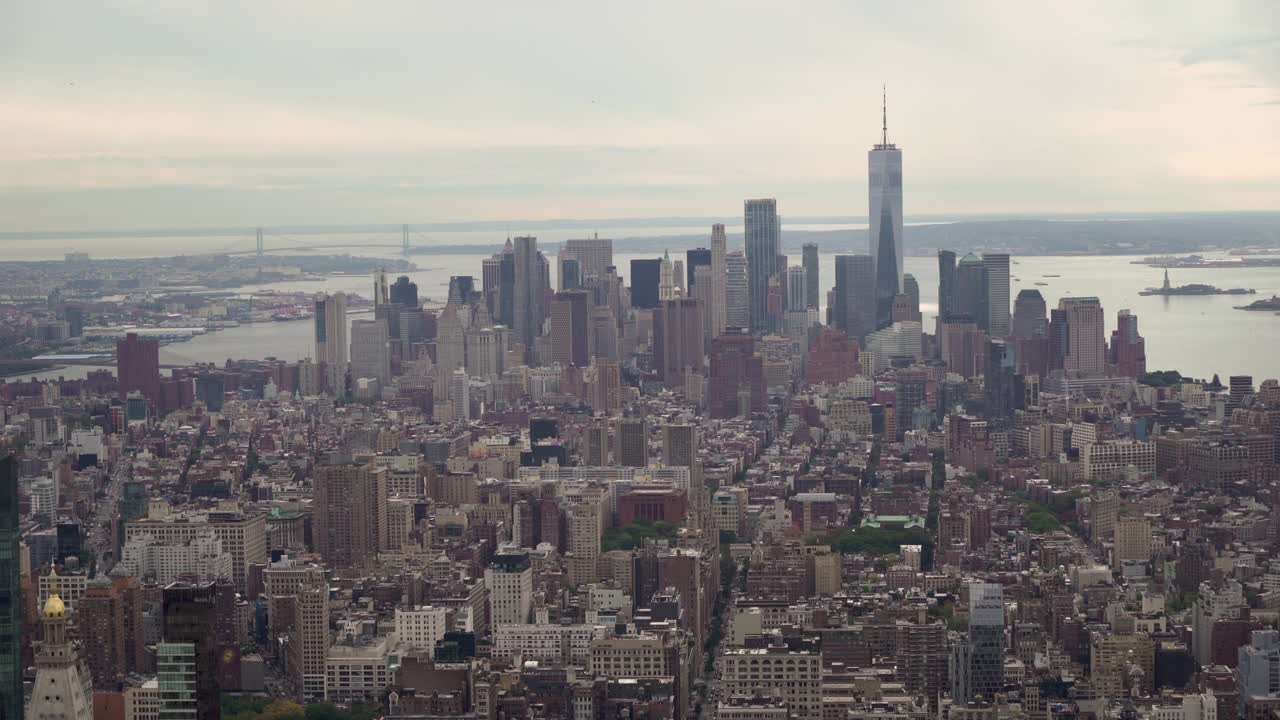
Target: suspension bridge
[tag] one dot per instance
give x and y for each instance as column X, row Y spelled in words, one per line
column 268, row 241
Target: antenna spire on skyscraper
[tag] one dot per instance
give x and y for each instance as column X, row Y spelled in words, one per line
column 884, row 115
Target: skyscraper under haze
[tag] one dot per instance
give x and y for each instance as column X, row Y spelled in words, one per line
column 594, row 255
column 884, row 164
column 645, row 275
column 10, row 592
column 677, row 339
column 693, row 259
column 971, row 290
column 1086, row 344
column 370, row 351
column 1128, row 349
column 718, row 310
column 531, row 285
column 737, row 293
column 569, row 330
column 138, row 366
column 797, row 289
column 946, row 284
column 404, row 292
column 809, row 260
column 996, row 266
column 1029, row 314
column 331, row 340
column 855, row 302
column 763, row 245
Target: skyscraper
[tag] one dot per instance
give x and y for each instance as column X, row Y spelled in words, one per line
column 677, row 340
column 1086, row 344
column 568, row 273
column 331, row 340
column 855, row 303
column 946, row 284
column 735, row 384
column 1029, row 314
column 138, row 366
column 370, row 351
column 763, row 245
column 195, row 616
column 996, row 267
column 978, row 663
column 110, row 621
column 568, row 325
column 911, row 289
column 381, row 290
column 451, row 349
column 719, row 278
column 499, row 283
column 884, row 163
column 10, row 593
column 1059, row 339
column 797, row 288
column 737, row 294
column 809, row 260
column 404, row 292
column 631, row 442
column 1128, row 349
column 645, row 277
column 509, row 579
column 693, row 259
column 594, row 255
column 531, row 285
column 666, row 278
column 350, row 512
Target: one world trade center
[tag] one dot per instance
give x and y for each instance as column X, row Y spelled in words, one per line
column 885, row 220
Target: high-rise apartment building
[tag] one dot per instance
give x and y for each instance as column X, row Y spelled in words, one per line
column 1086, row 344
column 977, row 666
column 677, row 340
column 350, row 512
column 11, row 604
column 370, row 351
column 737, row 293
column 946, row 284
column 1128, row 348
column 719, row 278
column 996, row 267
column 855, row 301
column 110, row 623
column 884, row 170
column 763, row 245
column 809, row 261
column 331, row 340
column 679, row 445
column 631, row 442
column 509, row 579
column 735, row 384
column 309, row 638
column 138, row 366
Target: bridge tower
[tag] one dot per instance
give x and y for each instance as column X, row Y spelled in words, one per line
column 259, row 247
column 404, row 232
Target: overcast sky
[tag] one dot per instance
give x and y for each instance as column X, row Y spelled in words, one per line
column 163, row 114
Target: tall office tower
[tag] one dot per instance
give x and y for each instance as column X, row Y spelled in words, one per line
column 1059, row 339
column 509, row 579
column 568, row 272
column 702, row 293
column 719, row 278
column 597, row 452
column 1238, row 386
column 963, row 346
column 451, row 349
column 331, row 341
column 855, row 307
column 797, row 288
column 631, row 442
column 809, row 261
column 350, row 513
column 677, row 277
column 763, row 244
column 666, row 280
column 491, row 283
column 370, row 351
column 63, row 688
column 1128, row 349
column 594, row 255
column 884, row 170
column 499, row 278
column 583, row 525
column 381, row 290
column 138, row 366
column 1258, row 674
column 111, row 629
column 677, row 340
column 200, row 616
column 309, row 638
column 737, row 294
column 606, row 394
column 645, row 276
column 486, row 351
column 1086, row 344
column 604, row 333
column 462, row 290
column 530, row 291
column 10, row 592
column 735, row 384
column 998, row 382
column 911, row 398
column 978, row 662
column 694, row 259
column 460, row 395
column 911, row 289
column 946, row 284
column 996, row 267
column 1029, row 315
column 404, row 292
column 570, row 334
column 971, row 290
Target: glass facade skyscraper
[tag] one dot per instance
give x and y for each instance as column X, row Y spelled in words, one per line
column 10, row 594
column 884, row 215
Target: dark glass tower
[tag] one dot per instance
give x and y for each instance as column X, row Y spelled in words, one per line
column 10, row 594
column 645, row 276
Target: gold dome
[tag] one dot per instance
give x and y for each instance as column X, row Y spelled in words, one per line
column 54, row 607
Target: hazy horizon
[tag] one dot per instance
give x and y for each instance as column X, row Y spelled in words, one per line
column 158, row 115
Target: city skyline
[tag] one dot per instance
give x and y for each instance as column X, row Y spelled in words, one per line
column 1115, row 115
